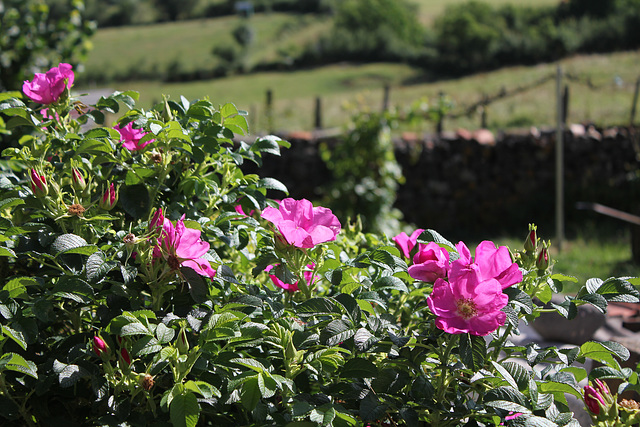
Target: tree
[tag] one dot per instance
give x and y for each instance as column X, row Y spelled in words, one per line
column 32, row 39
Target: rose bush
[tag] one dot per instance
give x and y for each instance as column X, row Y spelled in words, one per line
column 135, row 291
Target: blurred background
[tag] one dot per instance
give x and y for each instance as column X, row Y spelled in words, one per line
column 388, row 98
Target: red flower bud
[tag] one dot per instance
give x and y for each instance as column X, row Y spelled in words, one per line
column 543, row 259
column 125, row 356
column 108, row 199
column 38, row 183
column 78, row 180
column 157, row 220
column 531, row 244
column 99, row 346
column 592, row 399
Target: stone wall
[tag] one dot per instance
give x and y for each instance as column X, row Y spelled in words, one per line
column 463, row 187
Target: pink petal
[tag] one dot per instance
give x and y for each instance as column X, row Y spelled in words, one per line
column 442, row 302
column 200, row 266
column 321, row 234
column 272, row 215
column 323, row 216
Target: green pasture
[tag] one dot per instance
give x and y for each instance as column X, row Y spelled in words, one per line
column 601, row 91
column 190, row 43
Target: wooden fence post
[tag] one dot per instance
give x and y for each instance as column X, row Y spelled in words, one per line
column 269, row 110
column 634, row 103
column 318, row 113
column 565, row 105
column 559, row 162
column 385, row 98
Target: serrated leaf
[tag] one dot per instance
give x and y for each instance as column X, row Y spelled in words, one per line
column 164, row 333
column 184, row 410
column 7, row 252
column 358, row 368
column 316, row 306
column 336, row 332
column 70, row 375
column 97, row 266
column 145, row 345
column 250, row 393
column 267, row 385
column 67, row 242
column 16, row 336
column 473, row 350
column 363, row 339
column 389, row 283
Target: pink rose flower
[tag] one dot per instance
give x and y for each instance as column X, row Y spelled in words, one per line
column 468, row 306
column 301, row 224
column 46, row 88
column 131, row 137
column 430, row 263
column 490, row 263
column 406, row 243
column 182, row 246
column 309, row 277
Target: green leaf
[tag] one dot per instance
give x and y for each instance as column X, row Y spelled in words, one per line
column 433, row 236
column 336, row 332
column 10, row 202
column 17, row 363
column 363, row 339
column 67, row 242
column 598, row 351
column 73, row 288
column 472, row 351
column 97, row 266
column 267, row 385
column 205, row 389
column 15, row 335
column 316, row 306
column 554, row 387
column 389, row 283
column 250, row 393
column 164, row 333
column 135, row 200
column 269, row 144
column 272, row 184
column 619, row 290
column 228, row 110
column 323, row 416
column 250, row 363
column 358, row 368
column 145, row 345
column 505, row 375
column 94, row 146
column 184, row 410
column 18, row 286
column 7, row 252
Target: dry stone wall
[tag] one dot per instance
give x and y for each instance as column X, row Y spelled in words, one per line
column 463, row 187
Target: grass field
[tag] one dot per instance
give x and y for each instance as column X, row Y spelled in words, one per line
column 608, row 102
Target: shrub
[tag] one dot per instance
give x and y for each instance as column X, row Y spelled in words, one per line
column 147, row 280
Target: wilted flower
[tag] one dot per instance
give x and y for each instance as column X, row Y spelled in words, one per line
column 46, row 88
column 147, row 382
column 130, row 137
column 406, row 243
column 76, row 209
column 301, row 224
column 108, row 199
column 430, row 263
column 182, row 246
